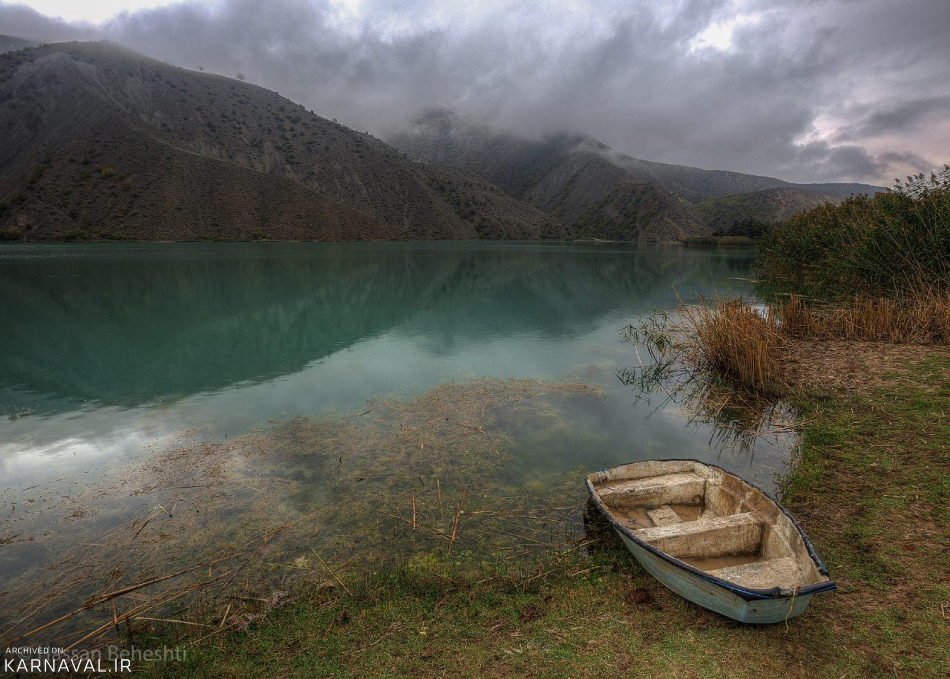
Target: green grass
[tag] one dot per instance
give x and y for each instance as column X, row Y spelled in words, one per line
column 871, row 487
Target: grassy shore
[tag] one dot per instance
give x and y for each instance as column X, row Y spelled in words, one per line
column 871, row 487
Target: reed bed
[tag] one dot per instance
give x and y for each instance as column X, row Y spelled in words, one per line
column 921, row 319
column 739, row 341
column 726, row 350
column 724, row 337
column 719, row 362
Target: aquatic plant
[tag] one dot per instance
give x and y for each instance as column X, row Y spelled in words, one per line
column 208, row 535
column 722, row 337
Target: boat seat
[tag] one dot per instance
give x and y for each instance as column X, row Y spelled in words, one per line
column 784, row 573
column 669, row 489
column 710, row 536
column 663, row 516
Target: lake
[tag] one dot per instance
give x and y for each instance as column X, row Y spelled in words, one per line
column 423, row 375
column 107, row 347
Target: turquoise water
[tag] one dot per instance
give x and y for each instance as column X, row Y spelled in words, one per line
column 107, row 349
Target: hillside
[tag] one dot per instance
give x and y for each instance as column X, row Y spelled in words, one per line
column 769, row 205
column 9, row 43
column 491, row 211
column 102, row 142
column 537, row 170
column 580, row 186
column 698, row 185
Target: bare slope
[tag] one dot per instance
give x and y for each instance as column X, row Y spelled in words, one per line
column 604, row 186
column 697, row 184
column 577, row 184
column 769, row 205
column 99, row 141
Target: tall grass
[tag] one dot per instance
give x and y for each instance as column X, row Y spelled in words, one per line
column 894, row 245
column 724, row 336
column 735, row 339
column 921, row 319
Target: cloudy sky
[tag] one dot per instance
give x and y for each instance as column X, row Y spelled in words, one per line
column 806, row 90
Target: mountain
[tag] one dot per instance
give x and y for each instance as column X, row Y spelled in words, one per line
column 101, row 142
column 768, row 205
column 599, row 189
column 9, row 43
column 559, row 174
column 697, row 185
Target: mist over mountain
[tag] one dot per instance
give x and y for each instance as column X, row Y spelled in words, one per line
column 9, row 43
column 599, row 189
column 557, row 174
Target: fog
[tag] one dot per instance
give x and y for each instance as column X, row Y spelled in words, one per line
column 805, row 90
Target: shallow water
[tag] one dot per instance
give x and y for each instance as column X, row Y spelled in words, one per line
column 109, row 351
column 241, row 372
column 109, row 348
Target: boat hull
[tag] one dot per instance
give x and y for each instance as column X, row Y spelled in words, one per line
column 715, row 597
column 764, row 596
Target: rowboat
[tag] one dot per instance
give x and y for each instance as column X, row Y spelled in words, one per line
column 712, row 538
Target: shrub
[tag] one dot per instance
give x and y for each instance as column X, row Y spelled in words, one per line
column 9, row 233
column 896, row 244
column 735, row 242
column 700, row 241
column 749, row 227
column 717, row 241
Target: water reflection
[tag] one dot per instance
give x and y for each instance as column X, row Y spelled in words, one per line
column 108, row 347
column 126, row 325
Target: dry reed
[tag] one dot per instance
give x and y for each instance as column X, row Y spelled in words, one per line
column 735, row 339
column 922, row 319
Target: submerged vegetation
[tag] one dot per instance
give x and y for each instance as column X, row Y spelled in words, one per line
column 210, row 535
column 875, row 508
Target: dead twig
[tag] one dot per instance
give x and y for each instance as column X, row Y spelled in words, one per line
column 455, row 522
column 331, row 572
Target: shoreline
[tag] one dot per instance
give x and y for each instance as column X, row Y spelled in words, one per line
column 869, row 485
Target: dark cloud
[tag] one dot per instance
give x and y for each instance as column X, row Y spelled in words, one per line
column 810, row 91
column 842, row 160
column 906, row 116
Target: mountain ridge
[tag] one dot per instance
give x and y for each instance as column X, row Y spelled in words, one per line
column 97, row 138
column 519, row 165
column 583, row 188
column 100, row 142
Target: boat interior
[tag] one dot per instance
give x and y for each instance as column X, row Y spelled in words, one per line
column 709, row 519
